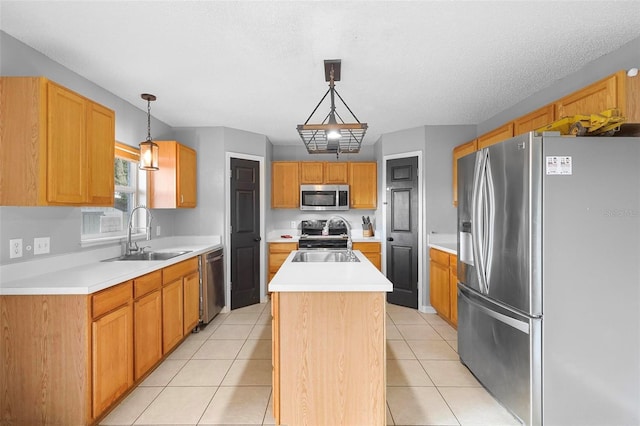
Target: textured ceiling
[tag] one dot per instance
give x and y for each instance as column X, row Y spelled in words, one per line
column 258, row 66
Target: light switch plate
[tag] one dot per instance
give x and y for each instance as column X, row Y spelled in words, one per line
column 41, row 245
column 294, row 224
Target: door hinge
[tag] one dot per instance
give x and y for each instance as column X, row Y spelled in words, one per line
column 230, row 229
column 230, row 174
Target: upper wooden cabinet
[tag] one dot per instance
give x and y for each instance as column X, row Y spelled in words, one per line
column 57, row 146
column 323, row 172
column 174, row 184
column 497, row 135
column 363, row 185
column 336, row 173
column 285, row 185
column 534, row 120
column 459, row 152
column 616, row 91
column 311, row 172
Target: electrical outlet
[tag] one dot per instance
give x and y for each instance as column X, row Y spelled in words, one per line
column 41, row 245
column 158, row 231
column 294, row 224
column 15, row 248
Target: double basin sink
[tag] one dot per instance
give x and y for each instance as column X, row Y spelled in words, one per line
column 325, row 256
column 147, row 256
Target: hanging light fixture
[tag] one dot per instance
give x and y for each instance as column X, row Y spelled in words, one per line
column 331, row 136
column 148, row 149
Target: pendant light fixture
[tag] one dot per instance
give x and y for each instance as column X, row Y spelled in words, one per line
column 148, row 149
column 331, row 136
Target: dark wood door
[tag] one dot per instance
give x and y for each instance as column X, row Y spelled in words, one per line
column 245, row 232
column 402, row 231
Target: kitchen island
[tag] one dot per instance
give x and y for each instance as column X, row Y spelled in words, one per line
column 329, row 359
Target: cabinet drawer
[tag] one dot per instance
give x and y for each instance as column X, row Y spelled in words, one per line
column 282, row 247
column 367, row 247
column 173, row 272
column 109, row 299
column 147, row 283
column 439, row 256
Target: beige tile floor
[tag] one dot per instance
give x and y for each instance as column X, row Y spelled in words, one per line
column 222, row 376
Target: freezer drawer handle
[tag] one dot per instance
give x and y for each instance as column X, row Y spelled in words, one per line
column 519, row 325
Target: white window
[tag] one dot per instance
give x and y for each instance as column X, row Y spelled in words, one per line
column 104, row 224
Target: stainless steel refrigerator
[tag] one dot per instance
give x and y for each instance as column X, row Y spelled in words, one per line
column 549, row 277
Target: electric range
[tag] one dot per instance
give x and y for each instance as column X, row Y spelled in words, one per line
column 311, row 235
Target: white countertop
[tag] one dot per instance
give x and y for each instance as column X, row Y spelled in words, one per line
column 448, row 247
column 329, row 276
column 443, row 242
column 84, row 273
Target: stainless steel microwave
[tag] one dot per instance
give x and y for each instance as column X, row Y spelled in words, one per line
column 324, row 197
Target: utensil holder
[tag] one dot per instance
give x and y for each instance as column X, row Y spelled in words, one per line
column 367, row 230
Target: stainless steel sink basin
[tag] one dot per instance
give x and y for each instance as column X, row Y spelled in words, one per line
column 324, row 256
column 152, row 255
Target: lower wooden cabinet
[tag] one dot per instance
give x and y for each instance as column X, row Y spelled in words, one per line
column 443, row 284
column 172, row 315
column 69, row 358
column 372, row 251
column 112, row 357
column 278, row 253
column 191, row 301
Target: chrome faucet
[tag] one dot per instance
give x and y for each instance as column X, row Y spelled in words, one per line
column 346, row 224
column 134, row 247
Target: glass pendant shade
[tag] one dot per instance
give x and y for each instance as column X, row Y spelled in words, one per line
column 149, row 155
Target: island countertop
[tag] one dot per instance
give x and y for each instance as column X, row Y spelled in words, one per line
column 329, row 276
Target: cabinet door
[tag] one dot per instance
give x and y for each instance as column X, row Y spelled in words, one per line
column 592, row 99
column 336, row 173
column 172, row 315
column 453, row 288
column 191, row 295
column 371, row 250
column 100, row 153
column 285, row 185
column 439, row 283
column 112, row 357
column 311, row 172
column 147, row 319
column 495, row 136
column 187, row 177
column 363, row 185
column 534, row 120
column 459, row 152
column 278, row 253
column 67, row 180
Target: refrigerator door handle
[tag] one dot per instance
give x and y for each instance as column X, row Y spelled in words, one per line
column 512, row 322
column 476, row 236
column 489, row 222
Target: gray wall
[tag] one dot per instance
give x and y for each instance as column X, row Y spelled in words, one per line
column 436, row 144
column 62, row 224
column 212, row 145
column 628, row 56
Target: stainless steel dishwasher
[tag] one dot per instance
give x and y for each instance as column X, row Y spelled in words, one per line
column 211, row 285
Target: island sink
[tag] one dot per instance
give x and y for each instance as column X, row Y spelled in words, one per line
column 325, row 256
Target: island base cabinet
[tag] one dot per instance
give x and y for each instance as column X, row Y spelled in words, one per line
column 329, row 358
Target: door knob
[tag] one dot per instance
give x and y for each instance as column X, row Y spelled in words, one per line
column 257, row 239
column 389, row 238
